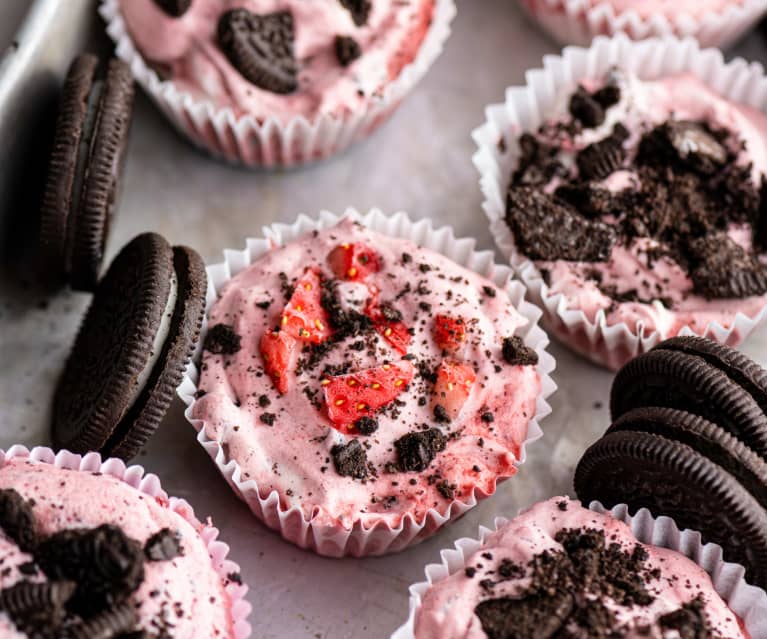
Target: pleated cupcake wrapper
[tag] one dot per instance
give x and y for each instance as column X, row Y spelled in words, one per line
column 253, row 142
column 527, row 107
column 746, row 601
column 580, row 21
column 149, row 484
column 290, row 521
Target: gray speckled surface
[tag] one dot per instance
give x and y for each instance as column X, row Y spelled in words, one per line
column 420, row 161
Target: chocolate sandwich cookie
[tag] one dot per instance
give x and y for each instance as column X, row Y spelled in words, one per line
column 705, row 438
column 736, row 365
column 84, row 170
column 645, row 470
column 260, row 47
column 132, row 349
column 697, row 381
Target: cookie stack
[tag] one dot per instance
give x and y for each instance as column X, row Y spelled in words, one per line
column 688, row 440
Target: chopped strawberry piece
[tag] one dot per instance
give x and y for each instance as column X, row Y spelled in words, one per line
column 303, row 316
column 356, row 395
column 354, row 261
column 449, row 332
column 277, row 349
column 452, row 388
column 387, row 320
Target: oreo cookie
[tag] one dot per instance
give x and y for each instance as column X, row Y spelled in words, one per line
column 132, row 348
column 546, row 228
column 720, row 268
column 649, row 471
column 84, row 170
column 689, row 382
column 600, row 159
column 106, row 565
column 737, row 366
column 689, row 440
column 705, row 438
column 260, row 47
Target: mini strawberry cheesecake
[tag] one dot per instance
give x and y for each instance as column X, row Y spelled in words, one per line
column 85, row 554
column 365, row 379
column 560, row 570
column 279, row 58
column 644, row 202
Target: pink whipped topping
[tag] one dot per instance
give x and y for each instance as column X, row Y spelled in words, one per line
column 185, row 50
column 685, row 97
column 670, row 8
column 292, row 456
column 191, row 594
column 447, row 608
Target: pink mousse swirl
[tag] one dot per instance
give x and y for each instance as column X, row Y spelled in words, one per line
column 185, row 51
column 186, row 592
column 644, row 104
column 292, row 454
column 447, row 608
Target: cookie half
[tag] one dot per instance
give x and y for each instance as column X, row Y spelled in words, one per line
column 647, row 470
column 705, row 438
column 84, row 171
column 676, row 379
column 736, row 365
column 131, row 350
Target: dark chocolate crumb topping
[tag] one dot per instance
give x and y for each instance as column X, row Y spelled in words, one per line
column 538, row 162
column 359, row 10
column 688, row 620
column 366, row 425
column 91, row 574
column 721, row 268
column 689, row 188
column 415, row 451
column 222, row 340
column 516, row 353
column 347, row 50
column 586, row 109
column 106, row 565
column 267, row 418
column 568, row 590
column 350, row 459
column 440, row 414
column 164, row 545
column 17, row 519
column 600, row 159
column 36, row 606
column 546, row 228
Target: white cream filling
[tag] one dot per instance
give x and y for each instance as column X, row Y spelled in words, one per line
column 161, row 336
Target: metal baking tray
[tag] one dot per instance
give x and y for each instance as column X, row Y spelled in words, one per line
column 419, row 161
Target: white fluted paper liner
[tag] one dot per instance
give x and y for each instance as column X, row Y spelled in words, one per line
column 149, row 484
column 526, row 108
column 246, row 140
column 380, row 538
column 746, row 601
column 580, row 21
